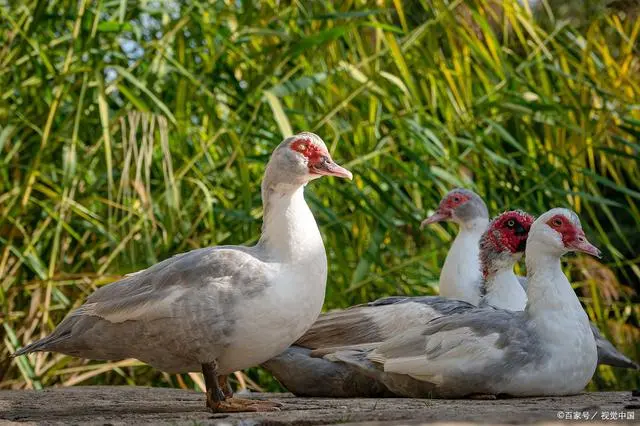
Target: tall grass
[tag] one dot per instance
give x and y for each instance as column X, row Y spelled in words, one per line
column 130, row 131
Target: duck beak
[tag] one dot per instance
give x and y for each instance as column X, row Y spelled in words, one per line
column 438, row 216
column 327, row 167
column 580, row 243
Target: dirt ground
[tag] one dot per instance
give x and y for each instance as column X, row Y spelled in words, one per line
column 109, row 405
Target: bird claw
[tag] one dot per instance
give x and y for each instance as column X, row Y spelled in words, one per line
column 220, row 395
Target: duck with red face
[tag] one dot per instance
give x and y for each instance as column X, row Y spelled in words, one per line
column 573, row 237
column 460, row 275
column 501, row 247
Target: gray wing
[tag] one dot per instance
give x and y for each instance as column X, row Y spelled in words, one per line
column 608, row 354
column 304, row 375
column 377, row 321
column 442, row 305
column 469, row 351
column 400, row 385
column 150, row 293
column 167, row 309
column 302, row 372
column 348, row 327
column 450, row 356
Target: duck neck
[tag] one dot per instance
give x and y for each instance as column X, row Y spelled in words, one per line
column 461, row 270
column 289, row 230
column 475, row 226
column 502, row 290
column 548, row 289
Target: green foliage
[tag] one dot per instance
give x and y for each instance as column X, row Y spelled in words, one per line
column 130, row 131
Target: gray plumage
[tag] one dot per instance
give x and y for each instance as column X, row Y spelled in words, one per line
column 377, row 321
column 473, row 208
column 511, row 338
column 348, row 373
column 542, row 350
column 372, row 322
column 309, row 376
column 608, row 354
column 191, row 293
column 395, row 384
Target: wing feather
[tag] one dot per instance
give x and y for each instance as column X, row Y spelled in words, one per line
column 451, row 346
column 152, row 293
column 377, row 321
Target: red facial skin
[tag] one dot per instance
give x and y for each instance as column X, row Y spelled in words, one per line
column 310, row 150
column 453, row 201
column 565, row 228
column 446, row 208
column 573, row 236
column 319, row 161
column 509, row 230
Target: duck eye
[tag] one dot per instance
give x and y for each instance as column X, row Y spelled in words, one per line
column 456, row 199
column 511, row 223
column 557, row 222
column 301, row 148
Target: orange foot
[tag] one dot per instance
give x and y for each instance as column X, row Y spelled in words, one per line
column 239, row 405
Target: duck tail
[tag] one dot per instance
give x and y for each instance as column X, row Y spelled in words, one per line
column 37, row 346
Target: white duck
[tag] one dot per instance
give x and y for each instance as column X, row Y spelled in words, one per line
column 502, row 246
column 218, row 309
column 547, row 349
column 460, row 274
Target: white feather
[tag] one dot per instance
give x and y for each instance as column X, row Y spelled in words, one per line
column 460, row 273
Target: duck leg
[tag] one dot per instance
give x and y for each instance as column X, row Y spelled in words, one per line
column 223, row 383
column 215, row 395
column 218, row 401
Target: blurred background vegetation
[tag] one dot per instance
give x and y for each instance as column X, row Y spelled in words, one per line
column 134, row 130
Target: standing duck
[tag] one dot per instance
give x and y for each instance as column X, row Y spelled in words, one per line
column 547, row 349
column 502, row 245
column 218, row 309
